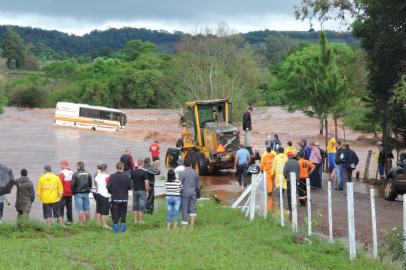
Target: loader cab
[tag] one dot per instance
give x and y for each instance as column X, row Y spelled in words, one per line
column 198, row 115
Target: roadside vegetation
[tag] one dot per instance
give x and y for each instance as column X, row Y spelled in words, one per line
column 223, row 239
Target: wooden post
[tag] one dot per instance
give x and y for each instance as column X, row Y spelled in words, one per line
column 330, row 214
column 367, row 164
column 293, row 200
column 351, row 225
column 281, row 201
column 309, row 208
column 373, row 217
column 265, row 195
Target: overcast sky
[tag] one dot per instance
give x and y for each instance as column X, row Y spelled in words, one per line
column 82, row 16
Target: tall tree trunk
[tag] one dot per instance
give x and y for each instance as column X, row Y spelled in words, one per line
column 336, row 127
column 321, row 125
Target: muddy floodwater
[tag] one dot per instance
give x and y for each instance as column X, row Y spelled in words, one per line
column 29, row 140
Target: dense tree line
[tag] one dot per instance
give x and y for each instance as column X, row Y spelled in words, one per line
column 54, row 44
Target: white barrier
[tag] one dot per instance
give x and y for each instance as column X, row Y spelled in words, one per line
column 293, row 200
column 266, row 196
column 404, row 222
column 351, row 225
column 281, row 201
column 309, row 208
column 330, row 213
column 373, row 217
column 253, row 193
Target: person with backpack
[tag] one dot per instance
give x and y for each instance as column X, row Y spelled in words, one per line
column 350, row 161
column 66, row 202
column 151, row 172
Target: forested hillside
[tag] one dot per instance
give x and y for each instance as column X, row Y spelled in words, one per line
column 49, row 44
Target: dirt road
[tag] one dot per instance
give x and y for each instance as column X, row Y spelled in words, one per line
column 29, row 140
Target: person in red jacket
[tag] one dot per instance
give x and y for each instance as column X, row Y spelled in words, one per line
column 155, row 150
column 66, row 202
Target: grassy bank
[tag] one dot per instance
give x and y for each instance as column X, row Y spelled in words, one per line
column 223, row 239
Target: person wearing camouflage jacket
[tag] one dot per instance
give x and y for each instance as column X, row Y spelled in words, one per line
column 25, row 194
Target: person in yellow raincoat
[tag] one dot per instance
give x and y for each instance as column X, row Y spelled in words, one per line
column 267, row 160
column 277, row 169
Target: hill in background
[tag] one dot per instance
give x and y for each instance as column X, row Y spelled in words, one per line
column 104, row 42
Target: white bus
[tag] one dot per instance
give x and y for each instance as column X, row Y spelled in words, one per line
column 89, row 117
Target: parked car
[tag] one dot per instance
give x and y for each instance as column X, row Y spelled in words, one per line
column 395, row 182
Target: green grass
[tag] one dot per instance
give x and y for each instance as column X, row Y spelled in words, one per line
column 223, row 239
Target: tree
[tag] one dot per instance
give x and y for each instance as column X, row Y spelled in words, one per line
column 13, row 50
column 381, row 27
column 314, row 82
column 137, row 47
column 215, row 65
column 275, row 48
column 3, row 102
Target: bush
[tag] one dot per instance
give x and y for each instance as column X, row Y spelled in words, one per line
column 28, row 96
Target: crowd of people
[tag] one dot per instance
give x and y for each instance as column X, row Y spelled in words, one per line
column 305, row 161
column 59, row 192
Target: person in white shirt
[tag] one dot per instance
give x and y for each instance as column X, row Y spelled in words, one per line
column 180, row 167
column 102, row 196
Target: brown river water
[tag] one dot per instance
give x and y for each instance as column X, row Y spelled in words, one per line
column 29, row 140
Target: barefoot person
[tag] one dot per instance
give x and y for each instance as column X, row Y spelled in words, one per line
column 118, row 186
column 81, row 185
column 102, row 196
column 140, row 185
column 49, row 192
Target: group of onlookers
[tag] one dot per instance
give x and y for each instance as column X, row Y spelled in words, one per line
column 110, row 191
column 307, row 161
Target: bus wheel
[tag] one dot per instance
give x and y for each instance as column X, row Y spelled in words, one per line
column 93, row 129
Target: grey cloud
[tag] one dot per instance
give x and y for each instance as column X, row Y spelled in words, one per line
column 192, row 11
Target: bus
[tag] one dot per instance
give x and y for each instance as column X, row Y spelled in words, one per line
column 89, row 117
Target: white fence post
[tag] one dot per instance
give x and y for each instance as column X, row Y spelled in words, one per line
column 404, row 222
column 309, row 208
column 265, row 195
column 253, row 192
column 281, row 201
column 330, row 213
column 373, row 217
column 351, row 225
column 293, row 200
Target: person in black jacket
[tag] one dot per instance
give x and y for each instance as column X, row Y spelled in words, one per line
column 118, row 186
column 151, row 172
column 81, row 185
column 349, row 161
column 247, row 126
